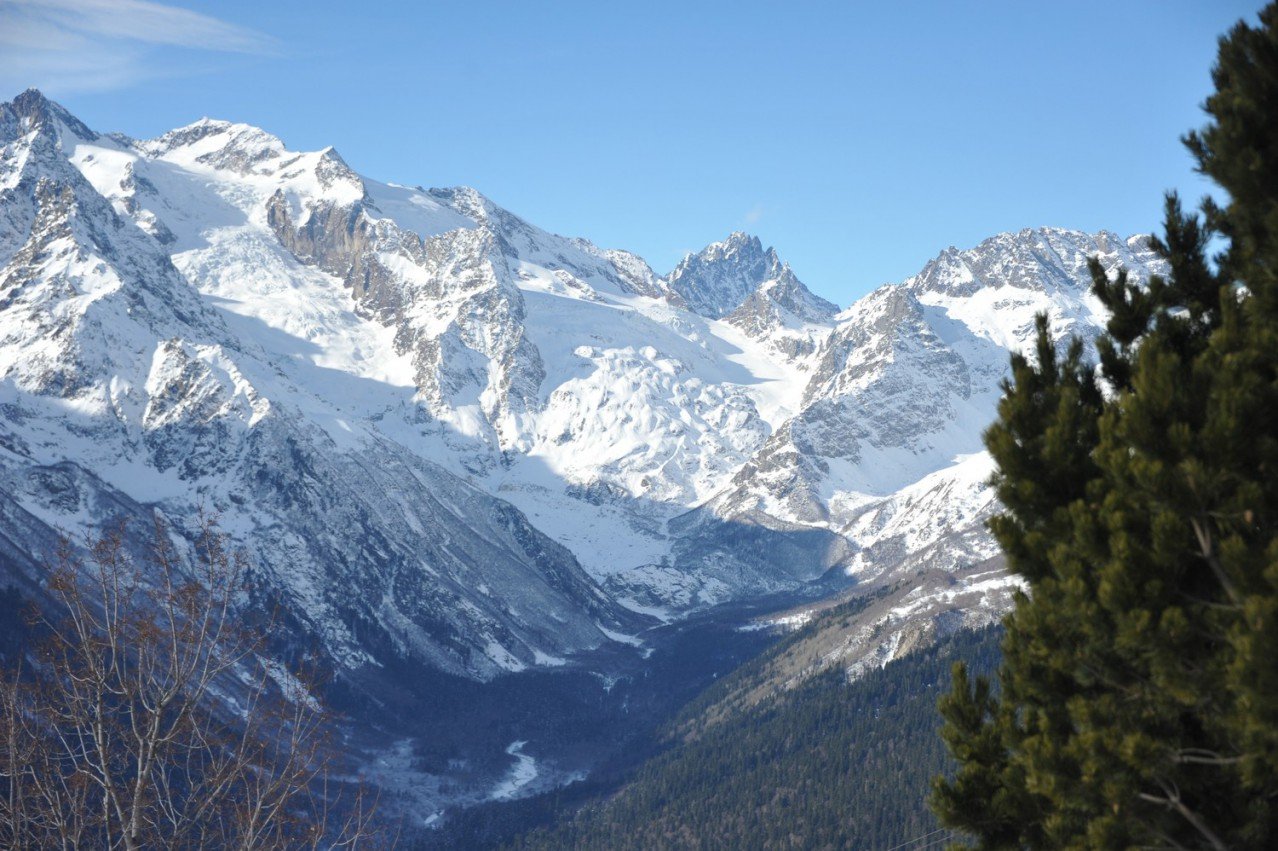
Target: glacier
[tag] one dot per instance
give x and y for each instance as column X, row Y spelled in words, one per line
column 452, row 441
column 510, row 445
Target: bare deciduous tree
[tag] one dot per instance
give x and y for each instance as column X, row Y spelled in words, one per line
column 119, row 735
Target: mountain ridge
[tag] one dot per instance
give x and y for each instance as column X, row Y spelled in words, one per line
column 318, row 344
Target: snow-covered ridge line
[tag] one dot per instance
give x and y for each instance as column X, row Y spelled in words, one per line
column 450, row 436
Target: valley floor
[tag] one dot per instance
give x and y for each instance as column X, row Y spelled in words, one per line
column 675, row 761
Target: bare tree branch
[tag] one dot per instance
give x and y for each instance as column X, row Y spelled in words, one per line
column 118, row 737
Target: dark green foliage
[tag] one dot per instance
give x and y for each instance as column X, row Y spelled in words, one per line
column 1139, row 702
column 825, row 765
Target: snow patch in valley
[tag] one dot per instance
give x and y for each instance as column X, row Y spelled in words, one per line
column 522, row 773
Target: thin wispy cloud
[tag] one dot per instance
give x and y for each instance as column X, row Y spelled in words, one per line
column 753, row 215
column 66, row 46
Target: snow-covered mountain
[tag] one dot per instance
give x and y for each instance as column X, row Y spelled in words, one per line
column 160, row 349
column 448, row 436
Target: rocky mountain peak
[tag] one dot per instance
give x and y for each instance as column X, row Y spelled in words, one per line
column 466, row 200
column 787, row 291
column 726, row 276
column 31, row 110
column 238, row 148
column 229, row 135
column 521, row 448
column 1033, row 259
column 737, row 243
column 741, row 282
column 716, row 280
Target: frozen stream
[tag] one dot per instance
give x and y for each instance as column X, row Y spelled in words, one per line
column 523, row 772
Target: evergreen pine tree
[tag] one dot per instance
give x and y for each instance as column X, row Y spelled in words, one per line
column 1138, row 698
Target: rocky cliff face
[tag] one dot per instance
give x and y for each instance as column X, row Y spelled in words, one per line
column 717, row 279
column 130, row 390
column 448, row 436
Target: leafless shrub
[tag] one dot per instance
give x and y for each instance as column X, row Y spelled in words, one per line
column 118, row 735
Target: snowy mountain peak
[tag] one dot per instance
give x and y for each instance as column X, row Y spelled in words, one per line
column 31, row 110
column 788, row 292
column 997, row 288
column 739, row 280
column 220, row 143
column 718, row 278
column 736, row 243
column 1043, row 259
column 523, row 439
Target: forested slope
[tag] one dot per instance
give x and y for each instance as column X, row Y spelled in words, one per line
column 828, row 764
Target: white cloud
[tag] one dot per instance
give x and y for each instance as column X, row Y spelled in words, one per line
column 66, row 46
column 753, row 215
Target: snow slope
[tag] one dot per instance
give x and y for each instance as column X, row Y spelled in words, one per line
column 450, row 436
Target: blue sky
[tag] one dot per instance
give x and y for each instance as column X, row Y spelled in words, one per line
column 858, row 138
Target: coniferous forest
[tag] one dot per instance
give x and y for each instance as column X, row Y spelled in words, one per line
column 829, row 764
column 1139, row 690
